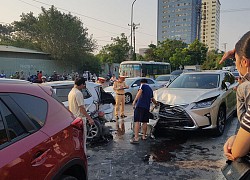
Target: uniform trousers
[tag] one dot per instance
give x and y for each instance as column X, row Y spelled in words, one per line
column 119, row 104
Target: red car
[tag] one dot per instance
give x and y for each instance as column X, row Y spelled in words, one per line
column 39, row 137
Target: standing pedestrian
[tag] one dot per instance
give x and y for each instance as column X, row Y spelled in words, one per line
column 119, row 87
column 112, row 80
column 44, row 79
column 54, row 77
column 141, row 104
column 239, row 145
column 22, row 77
column 2, row 75
column 39, row 77
column 76, row 104
column 16, row 75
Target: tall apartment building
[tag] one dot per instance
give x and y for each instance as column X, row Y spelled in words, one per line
column 178, row 19
column 210, row 22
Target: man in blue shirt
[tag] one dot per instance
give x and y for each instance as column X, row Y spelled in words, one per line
column 141, row 105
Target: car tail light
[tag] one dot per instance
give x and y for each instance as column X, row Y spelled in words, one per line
column 78, row 123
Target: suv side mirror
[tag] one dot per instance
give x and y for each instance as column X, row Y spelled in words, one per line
column 134, row 85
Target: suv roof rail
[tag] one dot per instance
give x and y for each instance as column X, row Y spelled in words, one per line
column 14, row 81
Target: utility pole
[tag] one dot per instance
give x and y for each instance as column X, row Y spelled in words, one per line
column 135, row 26
column 131, row 30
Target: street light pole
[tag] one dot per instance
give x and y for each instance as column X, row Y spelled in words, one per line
column 134, row 28
column 131, row 31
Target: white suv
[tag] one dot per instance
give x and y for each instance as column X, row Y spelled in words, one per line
column 95, row 100
column 93, row 96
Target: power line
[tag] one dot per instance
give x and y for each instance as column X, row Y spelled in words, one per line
column 79, row 14
column 103, row 30
column 92, row 18
column 69, row 11
column 235, row 10
column 82, row 15
column 29, row 4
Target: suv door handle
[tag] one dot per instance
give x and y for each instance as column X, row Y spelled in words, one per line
column 40, row 158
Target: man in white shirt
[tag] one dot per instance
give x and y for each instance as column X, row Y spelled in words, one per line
column 76, row 104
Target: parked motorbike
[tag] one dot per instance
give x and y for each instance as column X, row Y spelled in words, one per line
column 101, row 112
column 98, row 131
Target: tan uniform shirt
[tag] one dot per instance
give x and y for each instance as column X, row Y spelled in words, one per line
column 118, row 84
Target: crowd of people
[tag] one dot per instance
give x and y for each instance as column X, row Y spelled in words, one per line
column 39, row 77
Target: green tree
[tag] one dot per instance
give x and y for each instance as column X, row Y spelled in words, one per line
column 167, row 49
column 150, row 53
column 197, row 52
column 90, row 62
column 62, row 35
column 115, row 52
column 140, row 58
column 6, row 34
column 212, row 61
column 180, row 58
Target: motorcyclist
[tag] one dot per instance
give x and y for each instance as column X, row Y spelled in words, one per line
column 112, row 80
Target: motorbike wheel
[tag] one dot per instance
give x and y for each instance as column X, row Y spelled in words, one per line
column 94, row 131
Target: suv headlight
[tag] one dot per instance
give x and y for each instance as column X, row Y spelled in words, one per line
column 204, row 103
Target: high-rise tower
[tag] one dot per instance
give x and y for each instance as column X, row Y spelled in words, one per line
column 210, row 23
column 179, row 19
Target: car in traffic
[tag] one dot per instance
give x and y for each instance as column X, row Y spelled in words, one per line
column 164, row 80
column 177, row 72
column 134, row 84
column 95, row 100
column 236, row 75
column 196, row 100
column 39, row 137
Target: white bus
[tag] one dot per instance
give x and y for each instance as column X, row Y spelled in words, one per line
column 144, row 68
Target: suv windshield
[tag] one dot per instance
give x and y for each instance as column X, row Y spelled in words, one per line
column 198, row 81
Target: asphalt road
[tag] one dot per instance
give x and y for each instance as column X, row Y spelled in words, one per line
column 170, row 156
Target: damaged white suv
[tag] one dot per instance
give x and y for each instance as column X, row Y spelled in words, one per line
column 196, row 100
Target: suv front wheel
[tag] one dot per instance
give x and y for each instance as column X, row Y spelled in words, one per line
column 221, row 120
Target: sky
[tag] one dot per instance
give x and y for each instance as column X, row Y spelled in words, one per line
column 106, row 19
